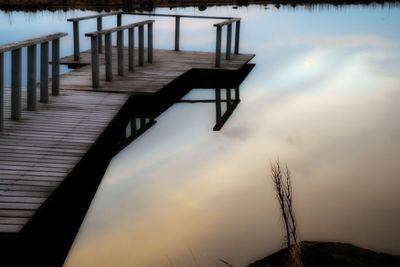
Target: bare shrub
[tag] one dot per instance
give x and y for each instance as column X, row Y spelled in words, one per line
column 284, row 193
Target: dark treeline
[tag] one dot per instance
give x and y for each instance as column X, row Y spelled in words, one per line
column 147, row 5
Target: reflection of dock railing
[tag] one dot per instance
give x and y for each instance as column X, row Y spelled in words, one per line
column 96, row 36
column 228, row 21
column 16, row 72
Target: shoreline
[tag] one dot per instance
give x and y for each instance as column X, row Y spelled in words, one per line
column 148, row 5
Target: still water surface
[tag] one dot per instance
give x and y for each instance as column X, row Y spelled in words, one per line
column 324, row 96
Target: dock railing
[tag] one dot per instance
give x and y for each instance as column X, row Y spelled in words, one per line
column 96, row 36
column 228, row 21
column 16, row 72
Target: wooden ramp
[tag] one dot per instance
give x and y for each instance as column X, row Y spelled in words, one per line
column 38, row 151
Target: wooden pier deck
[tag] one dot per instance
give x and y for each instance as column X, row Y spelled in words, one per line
column 53, row 152
column 38, row 151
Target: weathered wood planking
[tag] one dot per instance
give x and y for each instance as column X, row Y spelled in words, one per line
column 38, row 151
column 167, row 66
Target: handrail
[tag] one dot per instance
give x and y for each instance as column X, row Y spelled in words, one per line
column 95, row 36
column 144, row 14
column 116, row 29
column 99, row 18
column 94, row 16
column 28, row 42
column 228, row 23
column 16, row 72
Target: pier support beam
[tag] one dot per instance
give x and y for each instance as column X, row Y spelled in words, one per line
column 31, row 78
column 120, row 56
column 16, row 84
column 95, row 62
column 108, row 57
column 55, row 67
column 44, row 72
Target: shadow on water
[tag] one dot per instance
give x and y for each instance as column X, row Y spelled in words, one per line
column 48, row 237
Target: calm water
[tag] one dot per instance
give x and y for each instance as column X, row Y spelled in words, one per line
column 324, row 96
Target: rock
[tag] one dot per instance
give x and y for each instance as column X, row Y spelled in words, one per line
column 330, row 254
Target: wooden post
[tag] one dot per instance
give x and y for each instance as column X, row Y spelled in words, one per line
column 95, row 61
column 141, row 45
column 108, row 57
column 150, row 42
column 133, row 126
column 237, row 37
column 76, row 40
column 218, row 105
column 100, row 38
column 55, row 67
column 218, row 47
column 120, row 54
column 177, row 29
column 44, row 72
column 228, row 99
column 119, row 19
column 16, row 84
column 31, row 77
column 131, row 49
column 1, row 92
column 228, row 41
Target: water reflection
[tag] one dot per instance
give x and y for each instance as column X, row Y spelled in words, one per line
column 324, row 96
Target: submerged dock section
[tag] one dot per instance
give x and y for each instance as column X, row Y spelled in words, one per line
column 55, row 148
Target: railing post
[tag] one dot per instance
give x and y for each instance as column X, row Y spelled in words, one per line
column 76, row 40
column 100, row 38
column 55, row 67
column 150, row 42
column 131, row 49
column 16, row 84
column 95, row 61
column 228, row 41
column 237, row 36
column 120, row 47
column 31, row 77
column 44, row 72
column 108, row 56
column 1, row 92
column 218, row 47
column 141, row 45
column 177, row 29
column 218, row 105
column 119, row 19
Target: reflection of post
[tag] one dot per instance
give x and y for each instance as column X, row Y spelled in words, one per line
column 218, row 105
column 228, row 99
column 237, row 95
column 133, row 126
column 142, row 123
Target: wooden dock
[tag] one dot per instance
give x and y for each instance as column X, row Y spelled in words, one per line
column 45, row 146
